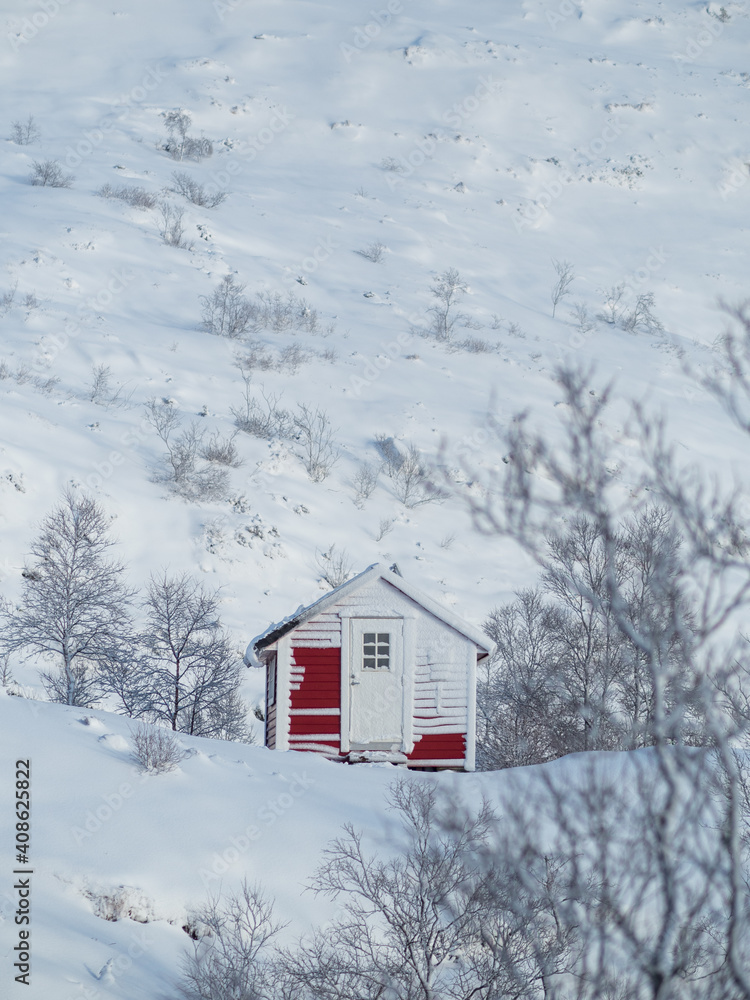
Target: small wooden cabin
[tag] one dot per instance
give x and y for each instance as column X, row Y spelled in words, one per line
column 374, row 670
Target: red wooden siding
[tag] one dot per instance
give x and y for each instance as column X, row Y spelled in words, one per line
column 439, row 746
column 315, row 699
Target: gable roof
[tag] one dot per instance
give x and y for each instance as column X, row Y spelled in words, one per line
column 374, row 572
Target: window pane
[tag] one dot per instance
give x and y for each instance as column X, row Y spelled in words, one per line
column 369, row 637
column 384, row 665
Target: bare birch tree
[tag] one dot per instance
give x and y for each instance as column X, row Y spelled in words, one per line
column 75, row 606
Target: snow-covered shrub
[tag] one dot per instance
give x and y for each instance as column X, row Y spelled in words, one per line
column 171, row 229
column 565, row 278
column 195, row 192
column 136, row 197
column 7, row 299
column 315, row 434
column 373, row 252
column 448, row 289
column 265, row 421
column 408, row 472
column 24, row 133
column 221, row 451
column 155, row 749
column 183, row 470
column 49, row 173
column 227, row 312
column 180, row 145
column 364, row 481
column 334, row 566
column 228, row 960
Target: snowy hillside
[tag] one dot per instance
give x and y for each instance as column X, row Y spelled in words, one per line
column 362, row 152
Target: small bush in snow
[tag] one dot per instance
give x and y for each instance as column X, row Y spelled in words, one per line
column 374, row 252
column 565, row 278
column 365, row 480
column 227, row 312
column 136, row 197
column 49, row 173
column 612, row 306
column 155, row 749
column 335, row 567
column 584, row 323
column 448, row 289
column 171, row 229
column 180, row 145
column 641, row 316
column 7, row 299
column 195, row 192
column 221, row 451
column 315, row 433
column 475, row 345
column 391, row 164
column 25, row 133
column 408, row 473
column 183, row 470
column 265, row 421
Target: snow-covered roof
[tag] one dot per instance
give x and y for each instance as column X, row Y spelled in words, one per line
column 374, row 572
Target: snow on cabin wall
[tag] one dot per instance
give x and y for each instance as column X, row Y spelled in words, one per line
column 436, row 676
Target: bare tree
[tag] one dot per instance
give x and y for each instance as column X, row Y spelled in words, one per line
column 25, row 133
column 448, row 288
column 267, row 421
column 177, row 124
column 171, row 228
column 434, row 921
column 75, row 605
column 230, row 959
column 49, row 173
column 334, row 566
column 315, row 434
column 691, row 669
column 613, row 297
column 195, row 192
column 412, row 477
column 364, row 481
column 642, row 316
column 227, row 312
column 565, row 278
column 189, row 669
column 184, row 472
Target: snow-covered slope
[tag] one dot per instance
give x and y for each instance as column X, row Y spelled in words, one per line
column 486, row 137
column 119, row 857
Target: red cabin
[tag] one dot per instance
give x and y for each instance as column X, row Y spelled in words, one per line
column 374, row 670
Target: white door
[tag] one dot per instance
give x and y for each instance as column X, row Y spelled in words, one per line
column 376, row 707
